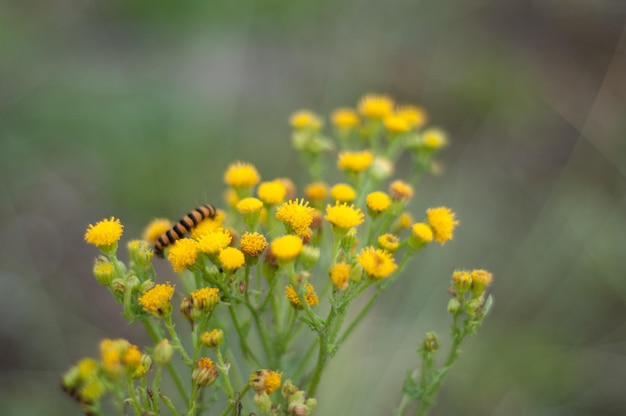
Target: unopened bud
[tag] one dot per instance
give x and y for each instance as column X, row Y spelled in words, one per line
column 262, row 402
column 431, row 342
column 461, row 281
column 205, row 373
column 309, row 256
column 213, row 339
column 163, row 352
column 103, row 271
column 453, row 306
column 118, row 286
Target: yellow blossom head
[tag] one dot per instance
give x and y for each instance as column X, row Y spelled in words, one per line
column 388, row 242
column 375, row 106
column 214, row 242
column 442, row 221
column 344, row 216
column 355, row 161
column 400, row 190
column 297, row 215
column 204, row 300
column 249, row 205
column 265, row 381
column 461, row 281
column 204, row 374
column 396, row 124
column 305, row 120
column 287, row 247
column 316, row 191
column 422, row 233
column 272, row 192
column 415, row 116
column 155, row 228
column 105, row 234
column 103, row 271
column 345, row 118
column 309, row 296
column 340, row 275
column 434, row 139
column 208, row 225
column 252, row 244
column 183, row 253
column 405, row 220
column 231, row 258
column 343, row 192
column 377, row 263
column 377, row 202
column 241, row 175
column 158, row 300
column 480, row 280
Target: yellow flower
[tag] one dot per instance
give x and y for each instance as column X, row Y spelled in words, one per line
column 405, row 220
column 208, row 225
column 249, row 205
column 434, row 139
column 204, row 374
column 252, row 244
column 132, row 357
column 231, row 258
column 343, row 192
column 156, row 227
column 273, row 192
column 296, row 214
column 388, row 242
column 213, row 339
column 461, row 280
column 316, row 191
column 287, row 247
column 378, row 201
column 103, row 271
column 422, row 232
column 345, row 118
column 340, row 275
column 396, row 124
column 265, row 380
column 183, row 253
column 415, row 116
column 214, row 242
column 205, row 299
column 480, row 280
column 344, row 216
column 442, row 222
column 377, row 263
column 105, row 233
column 400, row 190
column 87, row 368
column 309, row 296
column 355, row 161
column 157, row 300
column 375, row 106
column 305, row 119
column 241, row 174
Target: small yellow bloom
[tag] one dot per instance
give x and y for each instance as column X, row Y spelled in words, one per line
column 252, row 244
column 480, row 280
column 273, row 192
column 208, row 225
column 396, row 124
column 103, row 271
column 434, row 139
column 400, row 190
column 183, row 253
column 132, row 357
column 316, row 191
column 422, row 232
column 104, row 233
column 309, row 296
column 205, row 299
column 344, row 216
column 249, row 205
column 92, row 390
column 213, row 339
column 377, row 263
column 204, row 374
column 155, row 228
column 375, row 106
column 461, row 281
column 405, row 220
column 377, row 201
column 442, row 222
column 340, row 275
column 265, row 380
column 415, row 116
column 214, row 242
column 231, row 258
column 287, row 247
column 158, row 300
column 343, row 192
column 296, row 214
column 345, row 118
column 355, row 161
column 388, row 242
column 305, row 119
column 241, row 174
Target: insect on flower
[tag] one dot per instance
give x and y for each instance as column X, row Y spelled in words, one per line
column 182, row 227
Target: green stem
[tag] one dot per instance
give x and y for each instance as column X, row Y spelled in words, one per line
column 223, row 370
column 134, row 401
column 319, row 368
column 176, row 341
column 232, row 405
column 168, row 403
column 156, row 382
column 243, row 339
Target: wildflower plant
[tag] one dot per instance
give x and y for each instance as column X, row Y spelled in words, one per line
column 267, row 283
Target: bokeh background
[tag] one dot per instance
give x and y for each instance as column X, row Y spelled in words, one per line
column 134, row 108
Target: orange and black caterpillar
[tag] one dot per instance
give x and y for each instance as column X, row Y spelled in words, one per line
column 182, row 227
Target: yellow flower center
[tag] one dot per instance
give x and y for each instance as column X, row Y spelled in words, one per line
column 231, row 258
column 344, row 216
column 208, row 225
column 305, row 119
column 296, row 214
column 343, row 192
column 316, row 191
column 396, row 124
column 214, row 242
column 252, row 244
column 157, row 299
column 309, row 296
column 422, row 232
column 273, row 192
column 287, row 247
column 104, row 233
column 240, row 174
column 378, row 201
column 377, row 263
column 345, row 118
column 375, row 106
column 400, row 190
column 340, row 275
column 434, row 139
column 355, row 161
column 415, row 116
column 442, row 222
column 388, row 242
column 249, row 205
column 183, row 254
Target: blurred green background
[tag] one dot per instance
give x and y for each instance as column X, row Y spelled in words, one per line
column 134, row 108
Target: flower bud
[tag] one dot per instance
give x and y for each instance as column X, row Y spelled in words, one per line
column 474, row 306
column 118, row 286
column 213, row 339
column 309, row 256
column 205, row 373
column 163, row 352
column 145, row 286
column 265, row 380
column 263, row 403
column 103, row 271
column 431, row 342
column 453, row 306
column 461, row 281
column 480, row 280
